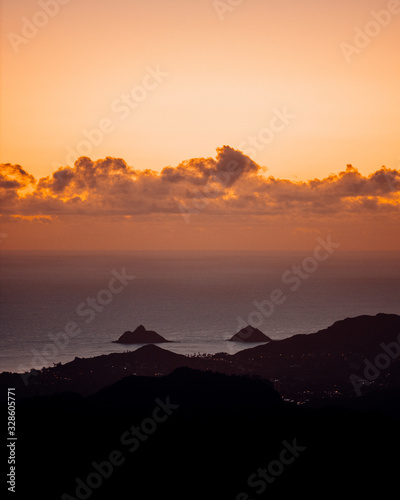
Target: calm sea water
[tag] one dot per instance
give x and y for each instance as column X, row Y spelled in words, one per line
column 198, row 299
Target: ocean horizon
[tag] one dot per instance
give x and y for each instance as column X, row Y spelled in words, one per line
column 56, row 306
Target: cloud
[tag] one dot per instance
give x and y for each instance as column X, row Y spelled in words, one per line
column 229, row 166
column 231, row 183
column 13, row 180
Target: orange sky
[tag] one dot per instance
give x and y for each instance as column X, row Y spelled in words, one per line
column 157, row 83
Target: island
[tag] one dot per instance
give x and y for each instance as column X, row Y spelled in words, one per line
column 251, row 335
column 141, row 336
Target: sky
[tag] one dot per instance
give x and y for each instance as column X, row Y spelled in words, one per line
column 199, row 124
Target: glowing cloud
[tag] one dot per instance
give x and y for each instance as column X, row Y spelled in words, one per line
column 231, row 183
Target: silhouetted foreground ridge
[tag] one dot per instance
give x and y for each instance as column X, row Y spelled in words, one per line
column 213, row 433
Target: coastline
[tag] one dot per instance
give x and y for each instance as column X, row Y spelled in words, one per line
column 303, row 367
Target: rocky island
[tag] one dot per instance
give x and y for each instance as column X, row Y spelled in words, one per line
column 251, row 335
column 141, row 336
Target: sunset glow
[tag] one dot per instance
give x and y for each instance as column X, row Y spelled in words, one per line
column 120, row 118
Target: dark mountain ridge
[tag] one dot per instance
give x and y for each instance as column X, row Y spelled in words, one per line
column 171, row 431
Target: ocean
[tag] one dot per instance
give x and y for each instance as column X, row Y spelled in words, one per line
column 56, row 306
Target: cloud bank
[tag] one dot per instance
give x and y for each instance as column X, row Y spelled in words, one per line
column 229, row 184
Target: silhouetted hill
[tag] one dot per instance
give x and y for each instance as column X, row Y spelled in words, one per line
column 88, row 375
column 190, row 386
column 141, row 336
column 199, row 435
column 361, row 334
column 322, row 364
column 250, row 334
